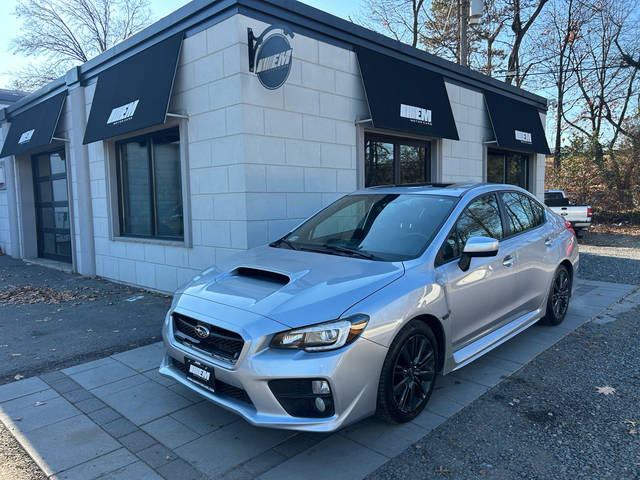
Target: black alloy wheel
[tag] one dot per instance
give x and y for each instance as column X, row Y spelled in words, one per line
column 413, row 373
column 559, row 296
column 408, row 374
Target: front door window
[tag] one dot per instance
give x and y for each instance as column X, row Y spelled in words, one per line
column 52, row 206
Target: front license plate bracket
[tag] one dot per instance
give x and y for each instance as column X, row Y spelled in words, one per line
column 201, row 374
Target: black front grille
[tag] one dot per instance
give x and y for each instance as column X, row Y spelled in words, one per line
column 222, row 389
column 220, row 342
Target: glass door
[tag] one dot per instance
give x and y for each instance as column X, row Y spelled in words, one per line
column 508, row 167
column 52, row 206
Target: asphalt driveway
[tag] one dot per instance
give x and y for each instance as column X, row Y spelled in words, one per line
column 90, row 319
column 572, row 413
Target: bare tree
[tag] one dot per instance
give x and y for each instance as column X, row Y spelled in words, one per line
column 63, row 33
column 605, row 83
column 488, row 31
column 404, row 20
column 561, row 26
column 520, row 27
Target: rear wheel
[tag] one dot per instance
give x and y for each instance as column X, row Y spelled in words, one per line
column 559, row 295
column 408, row 374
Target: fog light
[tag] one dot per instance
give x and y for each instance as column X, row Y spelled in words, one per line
column 320, row 387
column 320, row 405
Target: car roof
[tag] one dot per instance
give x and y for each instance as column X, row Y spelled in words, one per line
column 443, row 189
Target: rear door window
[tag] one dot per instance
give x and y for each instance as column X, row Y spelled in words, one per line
column 519, row 212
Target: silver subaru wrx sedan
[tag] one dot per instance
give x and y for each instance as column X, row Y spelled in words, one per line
column 355, row 311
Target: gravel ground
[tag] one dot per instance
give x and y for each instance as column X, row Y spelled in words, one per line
column 15, row 464
column 548, row 420
column 610, row 258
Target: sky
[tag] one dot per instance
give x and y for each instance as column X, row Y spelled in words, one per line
column 10, row 26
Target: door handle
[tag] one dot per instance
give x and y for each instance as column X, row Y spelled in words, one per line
column 548, row 241
column 508, row 261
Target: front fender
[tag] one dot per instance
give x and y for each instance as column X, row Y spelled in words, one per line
column 389, row 309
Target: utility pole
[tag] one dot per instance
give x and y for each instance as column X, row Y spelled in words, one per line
column 463, row 22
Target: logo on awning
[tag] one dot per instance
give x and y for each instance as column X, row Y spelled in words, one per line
column 122, row 113
column 26, row 136
column 524, row 137
column 416, row 114
column 270, row 56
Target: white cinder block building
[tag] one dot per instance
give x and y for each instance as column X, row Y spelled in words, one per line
column 226, row 123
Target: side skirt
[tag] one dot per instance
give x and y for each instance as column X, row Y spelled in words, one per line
column 494, row 339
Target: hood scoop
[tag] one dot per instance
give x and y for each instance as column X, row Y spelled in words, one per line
column 260, row 275
column 244, row 286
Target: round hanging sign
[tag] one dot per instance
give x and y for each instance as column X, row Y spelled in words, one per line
column 273, row 61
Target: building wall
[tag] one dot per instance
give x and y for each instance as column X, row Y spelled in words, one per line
column 260, row 161
column 299, row 140
column 463, row 160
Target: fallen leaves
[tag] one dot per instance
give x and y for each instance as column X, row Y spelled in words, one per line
column 633, row 430
column 442, row 469
column 606, row 390
column 29, row 294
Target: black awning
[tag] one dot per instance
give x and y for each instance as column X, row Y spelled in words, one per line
column 34, row 127
column 134, row 94
column 405, row 97
column 516, row 125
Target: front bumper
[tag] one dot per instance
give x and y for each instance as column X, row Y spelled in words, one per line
column 352, row 372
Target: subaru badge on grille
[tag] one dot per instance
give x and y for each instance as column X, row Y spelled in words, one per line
column 202, row 331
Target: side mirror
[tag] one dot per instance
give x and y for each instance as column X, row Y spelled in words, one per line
column 478, row 247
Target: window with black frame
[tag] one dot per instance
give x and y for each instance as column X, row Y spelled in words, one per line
column 150, row 186
column 395, row 161
column 511, row 168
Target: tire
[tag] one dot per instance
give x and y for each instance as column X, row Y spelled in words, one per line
column 558, row 298
column 413, row 381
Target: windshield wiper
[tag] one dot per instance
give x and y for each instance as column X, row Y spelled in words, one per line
column 350, row 251
column 286, row 242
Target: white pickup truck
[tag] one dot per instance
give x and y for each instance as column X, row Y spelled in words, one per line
column 578, row 215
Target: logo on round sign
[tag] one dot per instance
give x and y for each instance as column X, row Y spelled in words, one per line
column 273, row 61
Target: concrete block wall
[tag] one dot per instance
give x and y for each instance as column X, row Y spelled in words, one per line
column 463, row 160
column 299, row 141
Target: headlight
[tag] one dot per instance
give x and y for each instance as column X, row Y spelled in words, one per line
column 323, row 336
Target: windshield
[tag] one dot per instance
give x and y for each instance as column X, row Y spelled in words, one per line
column 375, row 226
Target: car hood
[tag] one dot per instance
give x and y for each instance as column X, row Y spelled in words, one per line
column 295, row 288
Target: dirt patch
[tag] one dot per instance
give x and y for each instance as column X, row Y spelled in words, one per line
column 617, row 229
column 28, row 294
column 611, row 239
